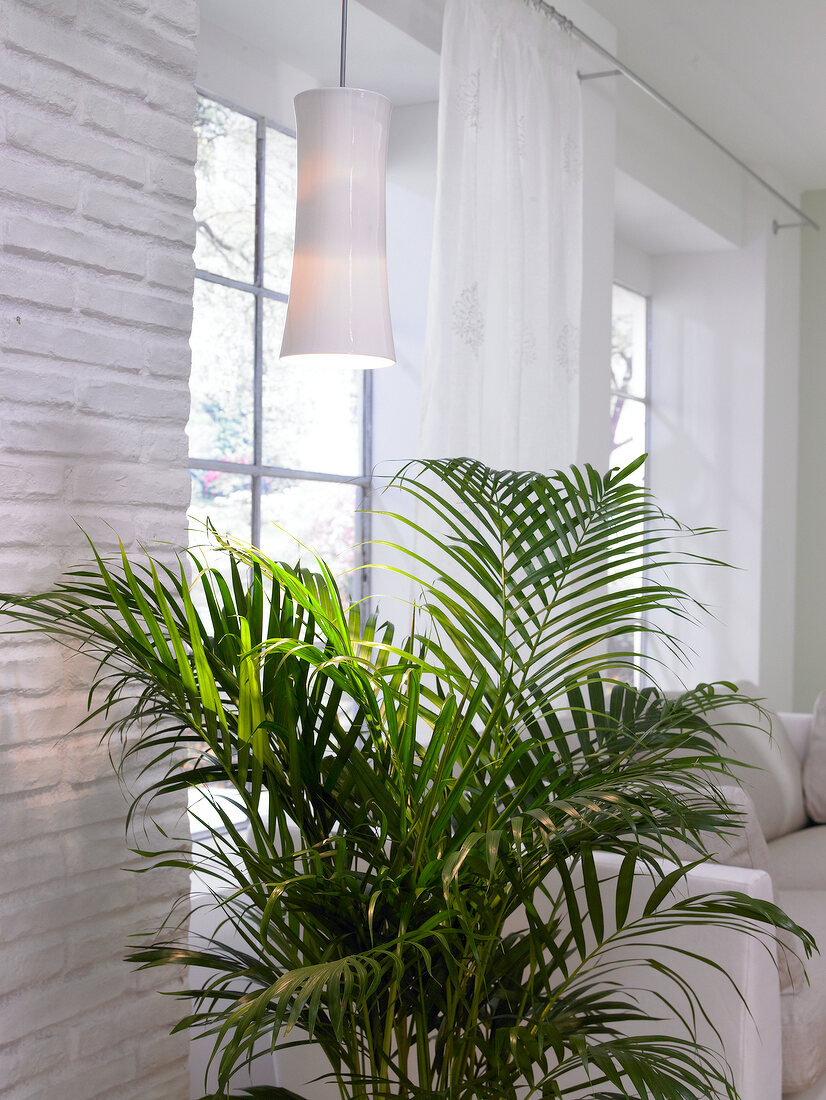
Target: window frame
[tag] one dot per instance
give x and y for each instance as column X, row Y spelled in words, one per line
column 646, row 400
column 257, row 470
column 643, row 645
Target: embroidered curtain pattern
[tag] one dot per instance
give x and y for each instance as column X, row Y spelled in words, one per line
column 502, row 349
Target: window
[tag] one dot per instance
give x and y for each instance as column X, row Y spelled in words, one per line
column 276, row 451
column 629, row 379
column 629, row 416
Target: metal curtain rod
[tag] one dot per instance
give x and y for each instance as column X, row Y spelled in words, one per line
column 343, row 58
column 622, row 69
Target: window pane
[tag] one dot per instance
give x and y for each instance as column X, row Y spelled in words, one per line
column 312, row 415
column 629, row 342
column 319, row 514
column 221, row 417
column 279, row 210
column 226, row 500
column 225, row 177
column 628, row 435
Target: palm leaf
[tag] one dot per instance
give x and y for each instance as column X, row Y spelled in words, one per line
column 415, row 886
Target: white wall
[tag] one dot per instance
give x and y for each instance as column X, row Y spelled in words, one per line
column 599, row 155
column 781, row 468
column 724, row 390
column 96, row 237
column 724, row 351
column 632, row 267
column 411, row 193
column 678, row 164
column 706, row 440
column 725, row 375
column 247, row 75
column 810, row 550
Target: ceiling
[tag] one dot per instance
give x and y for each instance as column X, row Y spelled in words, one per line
column 306, row 34
column 751, row 72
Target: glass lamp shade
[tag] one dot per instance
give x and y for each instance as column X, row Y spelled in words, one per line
column 338, row 310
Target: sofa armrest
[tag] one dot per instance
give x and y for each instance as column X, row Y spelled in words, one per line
column 798, row 727
column 749, row 1028
column 744, row 847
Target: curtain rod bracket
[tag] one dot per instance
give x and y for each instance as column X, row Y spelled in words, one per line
column 571, row 27
column 777, row 226
column 599, row 75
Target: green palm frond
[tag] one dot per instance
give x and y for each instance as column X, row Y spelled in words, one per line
column 539, row 570
column 414, row 888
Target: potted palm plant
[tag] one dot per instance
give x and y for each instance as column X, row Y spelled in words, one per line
column 414, row 890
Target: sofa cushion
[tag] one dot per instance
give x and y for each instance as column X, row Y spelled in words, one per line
column 772, row 774
column 748, row 848
column 798, row 861
column 804, row 1008
column 814, row 766
column 744, row 847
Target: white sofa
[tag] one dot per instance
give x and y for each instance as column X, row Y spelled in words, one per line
column 797, row 864
column 749, row 1040
column 796, row 860
column 774, row 1039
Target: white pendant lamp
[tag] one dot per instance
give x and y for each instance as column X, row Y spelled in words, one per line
column 338, row 311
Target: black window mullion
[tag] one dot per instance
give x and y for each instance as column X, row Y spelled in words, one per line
column 249, row 469
column 255, row 511
column 258, row 361
column 257, row 419
column 364, row 521
column 239, row 284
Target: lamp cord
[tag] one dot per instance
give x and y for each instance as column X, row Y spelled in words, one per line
column 343, row 43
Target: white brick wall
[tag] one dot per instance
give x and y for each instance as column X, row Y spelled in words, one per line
column 96, row 236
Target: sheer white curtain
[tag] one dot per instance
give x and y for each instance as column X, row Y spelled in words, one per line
column 502, row 353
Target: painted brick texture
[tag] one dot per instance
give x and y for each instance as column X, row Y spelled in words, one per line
column 97, row 102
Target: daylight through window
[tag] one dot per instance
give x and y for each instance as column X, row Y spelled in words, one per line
column 629, row 412
column 276, row 451
column 629, row 378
